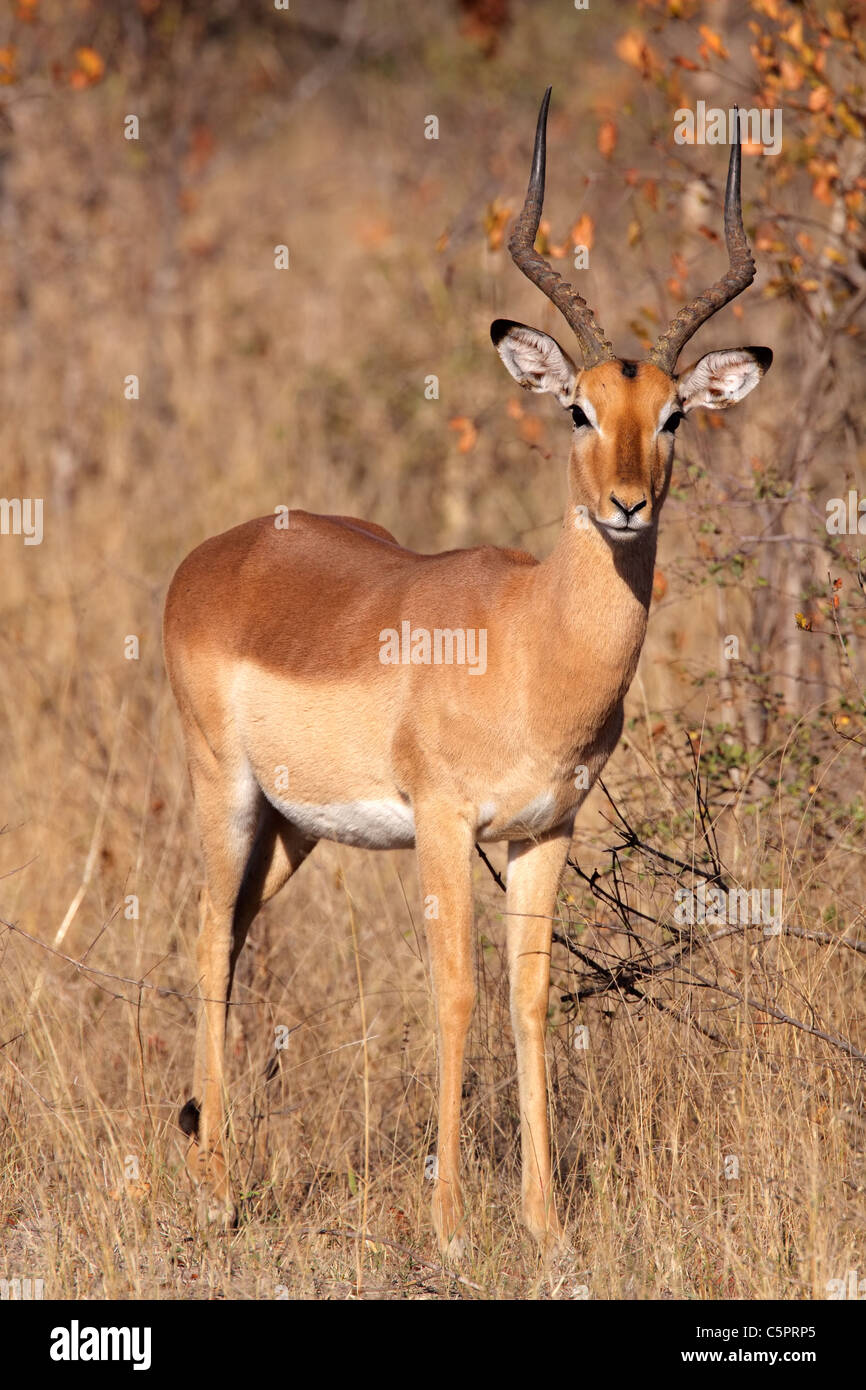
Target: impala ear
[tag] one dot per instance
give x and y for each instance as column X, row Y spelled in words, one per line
column 722, row 378
column 535, row 360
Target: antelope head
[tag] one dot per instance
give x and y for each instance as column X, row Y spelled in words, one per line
column 625, row 413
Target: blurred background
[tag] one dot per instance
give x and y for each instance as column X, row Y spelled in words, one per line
column 154, row 257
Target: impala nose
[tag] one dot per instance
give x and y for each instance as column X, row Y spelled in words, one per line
column 628, row 512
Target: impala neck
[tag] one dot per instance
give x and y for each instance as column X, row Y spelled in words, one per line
column 601, row 593
column 591, row 565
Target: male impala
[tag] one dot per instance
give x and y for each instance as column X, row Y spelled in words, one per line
column 302, row 660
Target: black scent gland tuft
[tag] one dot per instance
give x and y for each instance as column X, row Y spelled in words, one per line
column 188, row 1119
column 629, row 369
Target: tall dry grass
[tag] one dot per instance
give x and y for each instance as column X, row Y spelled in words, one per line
column 307, row 387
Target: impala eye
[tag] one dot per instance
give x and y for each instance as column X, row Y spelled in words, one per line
column 672, row 421
column 578, row 417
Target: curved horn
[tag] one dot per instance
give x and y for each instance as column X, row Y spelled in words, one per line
column 740, row 274
column 594, row 346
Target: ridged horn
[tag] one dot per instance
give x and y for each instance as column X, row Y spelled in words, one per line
column 594, row 346
column 740, row 274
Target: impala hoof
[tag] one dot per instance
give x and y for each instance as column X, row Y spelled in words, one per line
column 555, row 1248
column 215, row 1211
column 543, row 1225
column 449, row 1223
column 209, row 1173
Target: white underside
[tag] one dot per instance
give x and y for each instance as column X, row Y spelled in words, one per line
column 386, row 824
column 390, row 823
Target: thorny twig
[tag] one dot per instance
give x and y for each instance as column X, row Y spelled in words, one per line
column 652, row 960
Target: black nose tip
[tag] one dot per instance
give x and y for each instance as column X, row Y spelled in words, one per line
column 629, row 512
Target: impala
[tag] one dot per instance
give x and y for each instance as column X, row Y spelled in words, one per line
column 302, row 658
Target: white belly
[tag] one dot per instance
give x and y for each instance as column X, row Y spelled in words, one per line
column 389, row 823
column 385, row 824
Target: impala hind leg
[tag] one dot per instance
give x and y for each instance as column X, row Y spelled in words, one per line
column 444, row 844
column 534, row 871
column 249, row 852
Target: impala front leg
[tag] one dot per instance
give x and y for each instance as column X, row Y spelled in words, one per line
column 534, row 871
column 444, row 841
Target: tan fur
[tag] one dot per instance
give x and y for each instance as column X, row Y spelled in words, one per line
column 272, row 642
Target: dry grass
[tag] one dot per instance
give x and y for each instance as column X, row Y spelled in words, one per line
column 307, row 388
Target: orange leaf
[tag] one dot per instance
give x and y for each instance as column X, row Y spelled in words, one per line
column 496, row 217
column 373, row 232
column 793, row 35
column 7, row 66
column 583, row 231
column 467, row 431
column 91, row 68
column 607, row 138
column 712, row 40
column 633, row 49
column 792, row 75
column 660, row 586
column 822, row 192
column 531, row 429
column 542, row 237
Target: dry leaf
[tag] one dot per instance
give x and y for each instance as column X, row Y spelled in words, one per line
column 90, row 63
column 583, row 231
column 633, row 49
column 496, row 216
column 7, row 66
column 467, row 431
column 531, row 429
column 686, row 63
column 607, row 137
column 712, row 42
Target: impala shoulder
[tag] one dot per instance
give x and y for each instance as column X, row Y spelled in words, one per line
column 370, row 528
column 500, row 558
column 517, row 557
column 346, row 529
